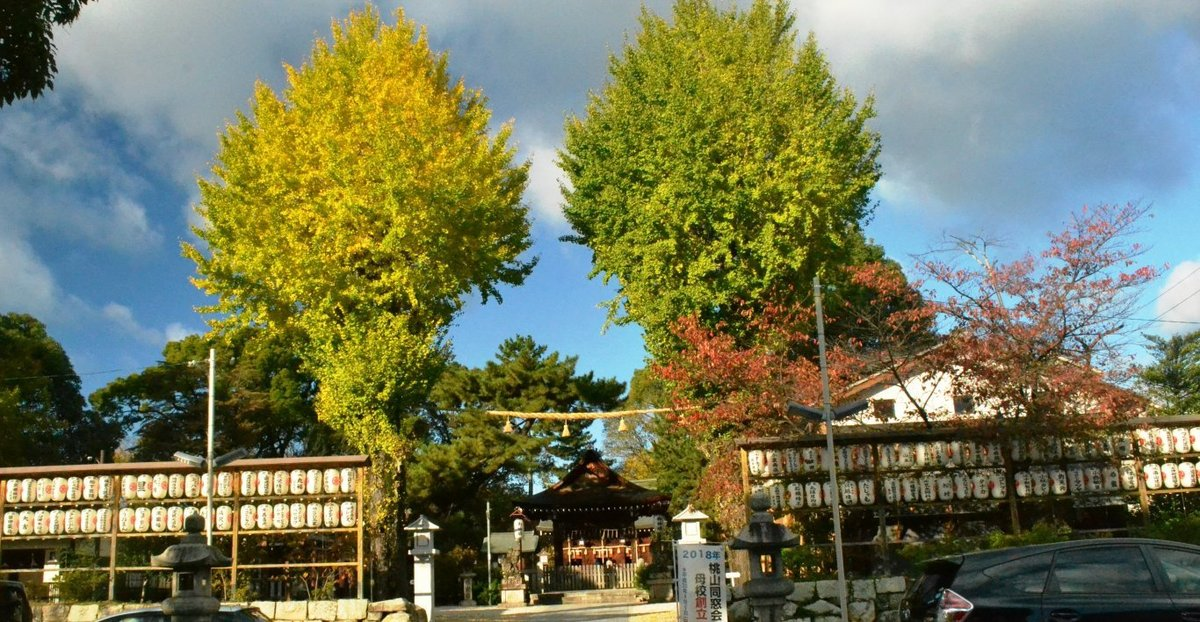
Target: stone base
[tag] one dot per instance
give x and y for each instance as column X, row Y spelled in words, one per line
column 510, row 597
column 466, row 603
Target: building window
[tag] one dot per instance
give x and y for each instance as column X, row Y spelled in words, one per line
column 884, row 410
column 964, row 404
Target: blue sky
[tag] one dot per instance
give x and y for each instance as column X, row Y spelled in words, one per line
column 998, row 118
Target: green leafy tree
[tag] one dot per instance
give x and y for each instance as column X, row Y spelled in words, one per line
column 629, row 449
column 41, row 409
column 357, row 209
column 525, row 377
column 264, row 401
column 722, row 163
column 27, row 64
column 1172, row 382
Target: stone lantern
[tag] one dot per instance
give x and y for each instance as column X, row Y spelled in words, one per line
column 689, row 520
column 423, row 552
column 764, row 540
column 191, row 563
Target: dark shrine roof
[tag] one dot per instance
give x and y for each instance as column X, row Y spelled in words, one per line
column 592, row 487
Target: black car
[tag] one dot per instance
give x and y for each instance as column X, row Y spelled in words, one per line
column 14, row 606
column 1111, row 579
column 228, row 613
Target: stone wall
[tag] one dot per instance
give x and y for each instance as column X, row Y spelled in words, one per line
column 345, row 610
column 871, row 600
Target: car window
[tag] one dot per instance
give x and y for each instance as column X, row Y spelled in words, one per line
column 1182, row 569
column 1026, row 575
column 1103, row 570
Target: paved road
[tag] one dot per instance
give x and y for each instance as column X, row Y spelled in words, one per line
column 658, row 612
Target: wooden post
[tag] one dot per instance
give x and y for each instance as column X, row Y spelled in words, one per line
column 114, row 521
column 358, row 488
column 233, row 547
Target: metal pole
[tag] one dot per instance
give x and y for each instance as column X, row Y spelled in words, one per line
column 488, row 523
column 212, row 389
column 827, row 406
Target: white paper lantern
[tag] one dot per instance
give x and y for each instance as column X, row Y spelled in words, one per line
column 58, row 522
column 1094, row 478
column 174, row 518
column 71, row 518
column 248, row 487
column 90, row 488
column 264, row 520
column 1154, row 478
column 11, row 523
column 754, row 462
column 866, row 491
column 1017, row 450
column 333, row 480
column 348, row 514
column 997, row 485
column 224, row 518
column 45, row 489
column 921, row 454
column 928, row 486
column 330, row 514
column 1162, row 440
column 312, row 482
column 25, row 523
column 158, row 519
column 28, row 490
column 1075, row 479
column 12, row 491
column 41, row 522
column 962, row 484
column 74, row 488
column 281, row 483
column 1122, row 444
column 849, row 490
column 891, row 489
column 125, row 520
column 791, row 461
column 160, row 487
column 141, row 519
column 773, row 457
column 812, row 494
column 811, row 459
column 262, row 484
column 175, row 487
column 1022, row 484
column 910, row 489
column 1058, row 481
column 103, row 520
column 1187, row 475
column 795, row 495
column 296, row 482
column 1181, row 441
column 1129, row 478
column 58, row 492
column 247, row 515
column 104, row 487
column 1112, row 478
column 279, row 515
column 312, row 515
column 191, row 485
column 347, row 483
column 1170, row 475
column 224, row 484
column 87, row 520
column 979, row 485
column 945, row 487
column 296, row 515
column 143, row 486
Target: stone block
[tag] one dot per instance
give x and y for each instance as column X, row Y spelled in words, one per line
column 739, row 611
column 326, row 610
column 837, row 618
column 861, row 611
column 822, row 608
column 291, row 610
column 889, row 585
column 803, row 592
column 109, row 608
column 827, row 589
column 863, row 590
column 398, row 616
column 395, row 605
column 888, row 616
column 265, row 606
column 352, row 608
column 83, row 613
column 789, row 610
column 55, row 612
column 375, row 616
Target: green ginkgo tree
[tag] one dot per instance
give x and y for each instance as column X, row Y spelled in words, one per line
column 358, row 208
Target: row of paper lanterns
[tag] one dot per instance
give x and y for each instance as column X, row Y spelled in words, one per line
column 851, row 458
column 159, row 519
column 179, row 485
column 981, row 484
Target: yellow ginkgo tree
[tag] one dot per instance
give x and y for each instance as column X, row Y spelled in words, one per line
column 358, row 208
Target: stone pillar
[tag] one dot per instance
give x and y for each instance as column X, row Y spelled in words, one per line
column 423, row 552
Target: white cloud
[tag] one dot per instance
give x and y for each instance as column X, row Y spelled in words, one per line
column 26, row 284
column 122, row 318
column 543, row 193
column 1178, row 303
column 176, row 331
